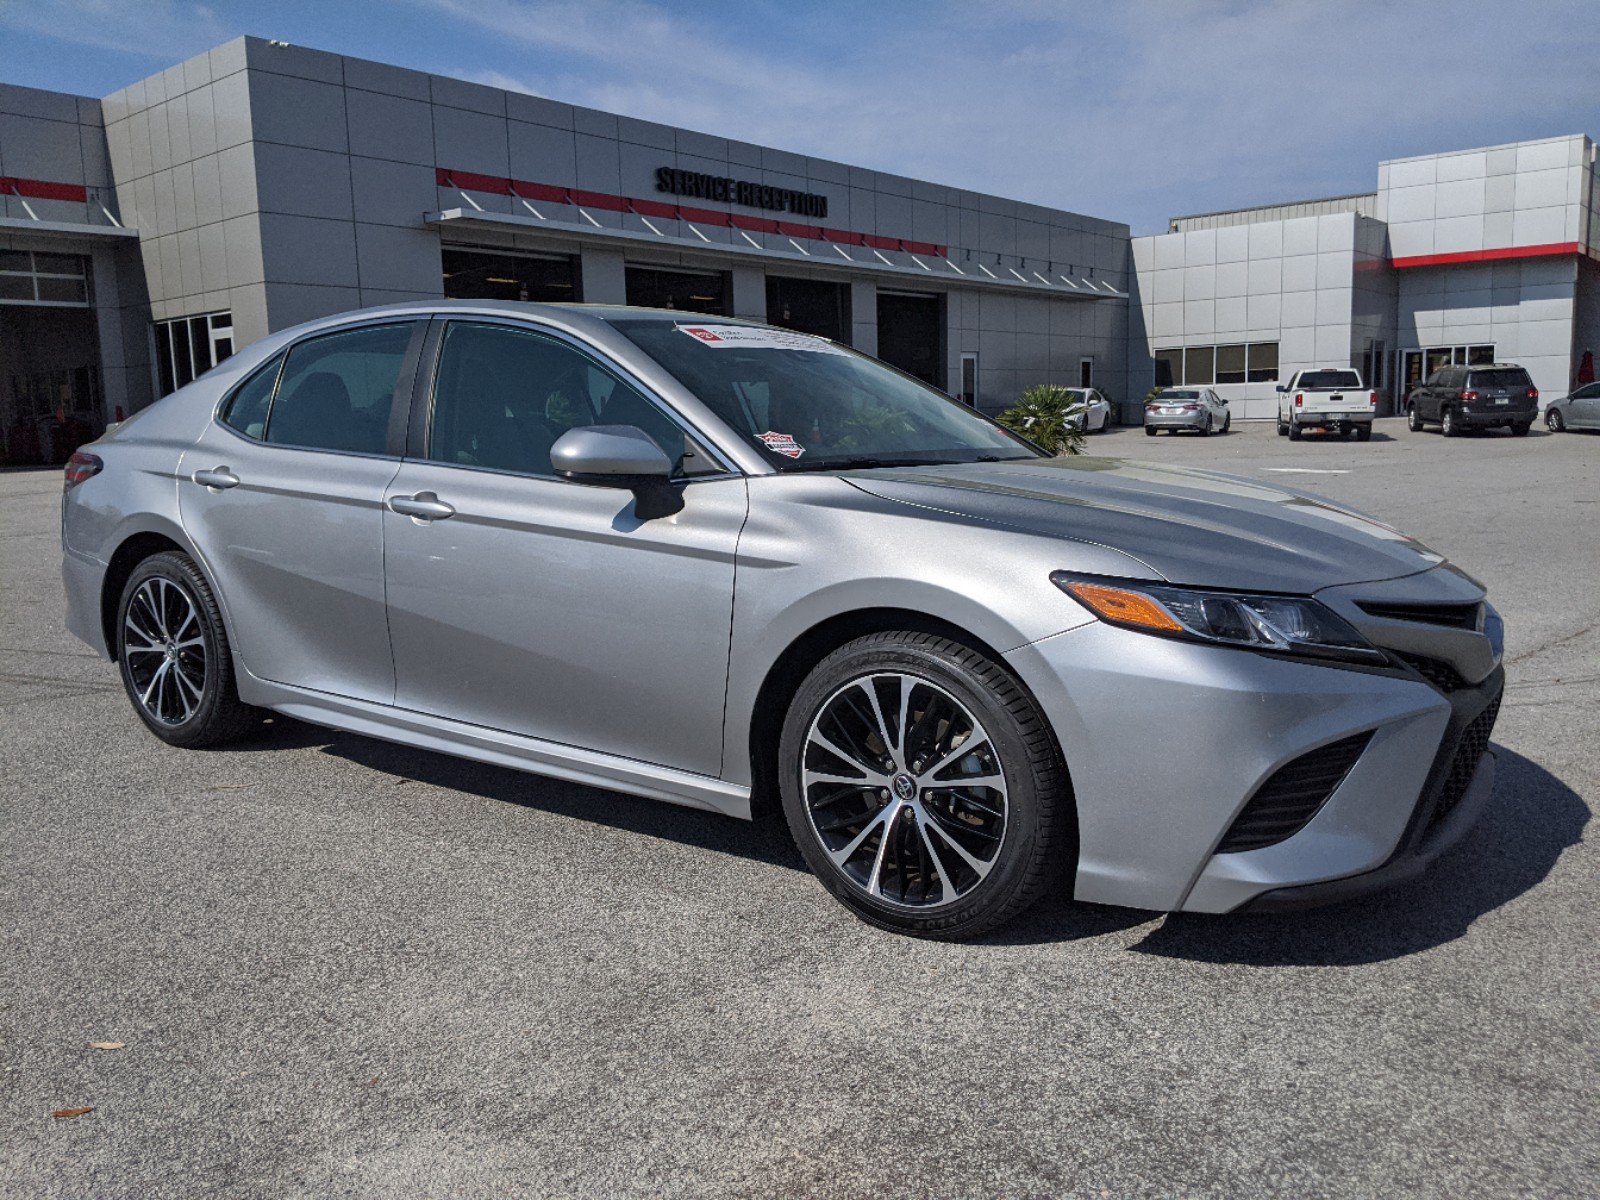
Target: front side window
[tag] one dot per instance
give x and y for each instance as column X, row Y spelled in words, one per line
column 247, row 408
column 337, row 390
column 503, row 396
column 809, row 404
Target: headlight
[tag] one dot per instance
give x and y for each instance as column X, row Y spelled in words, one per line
column 1281, row 624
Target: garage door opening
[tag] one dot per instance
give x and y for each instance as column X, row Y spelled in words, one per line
column 812, row 306
column 481, row 275
column 911, row 334
column 685, row 291
column 50, row 386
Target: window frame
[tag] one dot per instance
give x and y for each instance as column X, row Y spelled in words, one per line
column 419, row 429
column 400, row 399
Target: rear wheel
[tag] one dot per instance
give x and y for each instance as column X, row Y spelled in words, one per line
column 1448, row 425
column 923, row 786
column 1149, row 431
column 1227, row 423
column 1520, row 429
column 1554, row 421
column 173, row 651
column 1363, row 433
column 1206, row 429
column 1295, row 432
column 1283, row 430
column 1413, row 419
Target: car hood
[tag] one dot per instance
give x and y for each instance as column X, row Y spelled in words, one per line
column 1188, row 526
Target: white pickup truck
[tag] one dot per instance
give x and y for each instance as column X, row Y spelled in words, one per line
column 1328, row 398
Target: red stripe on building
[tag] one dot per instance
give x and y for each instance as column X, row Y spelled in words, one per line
column 41, row 189
column 1551, row 250
column 472, row 182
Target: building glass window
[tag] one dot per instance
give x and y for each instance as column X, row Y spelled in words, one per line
column 969, row 379
column 31, row 277
column 1479, row 355
column 1263, row 362
column 188, row 347
column 1199, row 364
column 1230, row 364
column 649, row 287
column 1169, row 368
column 478, row 275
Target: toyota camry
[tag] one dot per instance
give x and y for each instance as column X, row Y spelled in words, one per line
column 712, row 562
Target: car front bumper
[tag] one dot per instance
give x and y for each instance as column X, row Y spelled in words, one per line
column 1166, row 742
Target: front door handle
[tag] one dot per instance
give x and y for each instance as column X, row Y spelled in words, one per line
column 216, row 479
column 424, row 506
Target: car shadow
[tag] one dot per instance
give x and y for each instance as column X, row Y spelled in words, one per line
column 1532, row 818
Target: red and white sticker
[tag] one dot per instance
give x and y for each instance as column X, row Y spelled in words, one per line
column 757, row 337
column 782, row 443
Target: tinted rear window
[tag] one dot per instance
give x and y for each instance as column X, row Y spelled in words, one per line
column 1330, row 379
column 1511, row 377
column 1179, row 396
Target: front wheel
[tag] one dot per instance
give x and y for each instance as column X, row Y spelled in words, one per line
column 1554, row 421
column 1413, row 419
column 173, row 651
column 923, row 786
column 1227, row 423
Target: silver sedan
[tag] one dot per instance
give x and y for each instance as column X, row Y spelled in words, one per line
column 1197, row 409
column 1580, row 409
column 712, row 562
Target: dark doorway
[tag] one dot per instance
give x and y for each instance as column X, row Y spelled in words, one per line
column 911, row 334
column 50, row 398
column 482, row 275
column 810, row 305
column 686, row 291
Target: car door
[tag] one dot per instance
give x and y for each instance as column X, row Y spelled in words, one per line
column 1425, row 398
column 283, row 499
column 1583, row 407
column 579, row 614
column 1219, row 408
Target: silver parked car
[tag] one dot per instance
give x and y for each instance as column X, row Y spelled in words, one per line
column 1579, row 409
column 1198, row 409
column 1091, row 411
column 711, row 562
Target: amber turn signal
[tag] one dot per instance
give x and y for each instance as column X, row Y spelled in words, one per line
column 1123, row 606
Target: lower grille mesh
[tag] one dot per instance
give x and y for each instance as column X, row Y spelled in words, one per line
column 1436, row 671
column 1469, row 752
column 1292, row 795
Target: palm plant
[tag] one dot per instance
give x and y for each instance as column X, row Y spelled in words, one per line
column 1050, row 416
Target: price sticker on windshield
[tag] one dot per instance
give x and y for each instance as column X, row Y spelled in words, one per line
column 755, row 337
column 782, row 443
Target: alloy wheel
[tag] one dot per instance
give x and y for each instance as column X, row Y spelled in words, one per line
column 904, row 790
column 165, row 649
column 1553, row 420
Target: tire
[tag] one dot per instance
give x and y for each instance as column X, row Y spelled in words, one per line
column 166, row 597
column 1149, row 431
column 1206, row 429
column 1283, row 430
column 1295, row 432
column 1554, row 421
column 1227, row 423
column 1520, row 429
column 1413, row 419
column 1344, row 434
column 1363, row 433
column 899, row 882
column 1447, row 423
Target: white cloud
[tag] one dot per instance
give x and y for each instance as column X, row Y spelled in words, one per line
column 167, row 30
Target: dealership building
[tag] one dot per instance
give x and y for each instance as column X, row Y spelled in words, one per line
column 147, row 235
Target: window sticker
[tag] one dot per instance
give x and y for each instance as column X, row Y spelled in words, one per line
column 782, row 443
column 749, row 337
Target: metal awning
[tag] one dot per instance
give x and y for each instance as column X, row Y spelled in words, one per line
column 77, row 230
column 919, row 270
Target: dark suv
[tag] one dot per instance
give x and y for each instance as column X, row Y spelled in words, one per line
column 1482, row 397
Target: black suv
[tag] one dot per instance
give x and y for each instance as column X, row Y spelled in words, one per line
column 1482, row 397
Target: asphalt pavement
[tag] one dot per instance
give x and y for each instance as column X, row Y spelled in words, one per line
column 338, row 966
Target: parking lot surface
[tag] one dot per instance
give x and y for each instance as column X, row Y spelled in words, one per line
column 343, row 967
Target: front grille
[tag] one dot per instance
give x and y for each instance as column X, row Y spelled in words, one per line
column 1436, row 671
column 1469, row 752
column 1457, row 616
column 1291, row 796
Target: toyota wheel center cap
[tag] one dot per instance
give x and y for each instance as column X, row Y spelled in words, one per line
column 905, row 787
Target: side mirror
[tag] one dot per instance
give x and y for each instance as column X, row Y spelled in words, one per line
column 1282, row 387
column 623, row 456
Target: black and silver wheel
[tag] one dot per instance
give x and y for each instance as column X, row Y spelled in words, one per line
column 923, row 786
column 1553, row 420
column 176, row 665
column 1206, row 429
column 1448, row 425
column 1413, row 419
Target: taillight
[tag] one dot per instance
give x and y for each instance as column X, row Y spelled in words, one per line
column 1372, row 399
column 1299, row 400
column 1533, row 393
column 80, row 466
column 1469, row 395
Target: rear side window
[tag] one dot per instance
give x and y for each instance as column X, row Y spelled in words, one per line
column 1506, row 377
column 337, row 390
column 1330, row 379
column 247, row 407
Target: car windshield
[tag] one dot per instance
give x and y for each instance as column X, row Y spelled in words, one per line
column 1164, row 396
column 1330, row 379
column 809, row 404
column 1506, row 378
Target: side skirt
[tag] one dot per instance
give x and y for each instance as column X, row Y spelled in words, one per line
column 512, row 750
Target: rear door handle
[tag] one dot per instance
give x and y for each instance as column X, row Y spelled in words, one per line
column 424, row 506
column 216, row 479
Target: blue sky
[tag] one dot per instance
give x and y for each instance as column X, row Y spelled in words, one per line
column 1130, row 111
